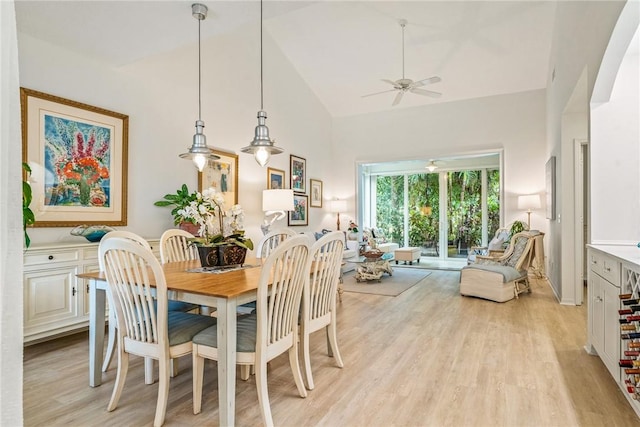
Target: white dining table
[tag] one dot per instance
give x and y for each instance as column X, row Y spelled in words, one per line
column 225, row 291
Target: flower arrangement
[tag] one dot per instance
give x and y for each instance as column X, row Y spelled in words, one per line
column 353, row 227
column 217, row 226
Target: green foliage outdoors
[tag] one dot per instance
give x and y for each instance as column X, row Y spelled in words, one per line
column 463, row 206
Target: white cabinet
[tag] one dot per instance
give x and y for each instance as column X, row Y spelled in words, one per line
column 604, row 302
column 55, row 300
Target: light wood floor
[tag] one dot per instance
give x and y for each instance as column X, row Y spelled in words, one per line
column 427, row 357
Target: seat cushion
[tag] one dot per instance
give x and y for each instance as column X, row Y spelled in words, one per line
column 181, row 306
column 508, row 273
column 246, row 338
column 183, row 326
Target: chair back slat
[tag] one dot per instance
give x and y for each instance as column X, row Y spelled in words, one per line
column 271, row 240
column 278, row 306
column 130, row 270
column 326, row 259
column 175, row 246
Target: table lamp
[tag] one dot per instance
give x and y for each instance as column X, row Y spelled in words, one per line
column 528, row 202
column 338, row 206
column 275, row 202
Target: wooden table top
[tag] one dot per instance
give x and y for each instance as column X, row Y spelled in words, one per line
column 222, row 285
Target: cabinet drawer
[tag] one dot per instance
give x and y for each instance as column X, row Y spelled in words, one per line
column 51, row 257
column 90, row 253
column 606, row 266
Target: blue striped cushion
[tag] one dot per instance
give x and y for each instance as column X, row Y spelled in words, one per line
column 246, row 338
column 183, row 326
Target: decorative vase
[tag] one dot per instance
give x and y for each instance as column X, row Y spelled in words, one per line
column 189, row 227
column 352, row 235
column 222, row 255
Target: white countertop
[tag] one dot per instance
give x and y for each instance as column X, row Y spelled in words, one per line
column 629, row 253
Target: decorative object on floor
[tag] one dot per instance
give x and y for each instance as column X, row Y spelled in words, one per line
column 300, row 213
column 218, row 228
column 404, row 85
column 403, row 279
column 93, row 233
column 275, row 179
column 199, row 152
column 528, row 202
column 81, row 176
column 275, row 202
column 372, row 265
column 337, row 207
column 262, row 146
column 221, row 174
column 316, row 193
column 298, row 175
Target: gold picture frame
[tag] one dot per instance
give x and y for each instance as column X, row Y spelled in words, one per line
column 78, row 158
column 275, row 179
column 221, row 174
column 315, row 193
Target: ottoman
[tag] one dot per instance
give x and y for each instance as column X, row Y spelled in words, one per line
column 409, row 255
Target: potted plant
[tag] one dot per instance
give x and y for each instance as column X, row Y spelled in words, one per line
column 221, row 239
column 28, row 218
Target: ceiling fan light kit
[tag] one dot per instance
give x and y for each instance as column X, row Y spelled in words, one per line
column 199, row 152
column 405, row 85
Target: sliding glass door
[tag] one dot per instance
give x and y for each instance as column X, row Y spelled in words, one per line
column 444, row 213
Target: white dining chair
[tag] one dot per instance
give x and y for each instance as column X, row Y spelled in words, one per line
column 271, row 240
column 319, row 298
column 146, row 327
column 175, row 246
column 271, row 330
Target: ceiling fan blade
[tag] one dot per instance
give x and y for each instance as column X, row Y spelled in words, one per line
column 378, row 93
column 430, row 80
column 396, row 101
column 425, row 92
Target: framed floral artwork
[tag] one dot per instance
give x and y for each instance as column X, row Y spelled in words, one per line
column 315, row 189
column 300, row 213
column 275, row 179
column 298, row 169
column 221, row 174
column 78, row 158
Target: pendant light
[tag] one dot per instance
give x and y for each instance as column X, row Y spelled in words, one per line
column 262, row 146
column 199, row 152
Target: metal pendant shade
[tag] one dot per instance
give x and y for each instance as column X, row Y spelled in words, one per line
column 199, row 152
column 262, row 147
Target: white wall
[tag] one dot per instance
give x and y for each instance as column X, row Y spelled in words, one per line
column 160, row 97
column 581, row 34
column 10, row 224
column 515, row 123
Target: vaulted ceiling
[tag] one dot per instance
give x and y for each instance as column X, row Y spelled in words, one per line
column 342, row 49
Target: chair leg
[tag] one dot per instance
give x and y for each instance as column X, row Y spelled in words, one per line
column 295, row 369
column 163, row 392
column 263, row 393
column 148, row 370
column 111, row 343
column 121, row 377
column 245, row 372
column 333, row 342
column 198, row 375
column 306, row 360
column 174, row 367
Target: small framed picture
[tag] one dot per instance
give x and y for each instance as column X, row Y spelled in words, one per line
column 300, row 213
column 315, row 186
column 275, row 179
column 298, row 174
column 221, row 174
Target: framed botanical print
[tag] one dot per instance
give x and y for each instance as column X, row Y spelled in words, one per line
column 78, row 157
column 315, row 186
column 298, row 170
column 300, row 213
column 221, row 174
column 275, row 179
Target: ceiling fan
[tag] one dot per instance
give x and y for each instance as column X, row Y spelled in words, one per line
column 407, row 85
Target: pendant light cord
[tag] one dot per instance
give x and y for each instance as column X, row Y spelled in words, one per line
column 261, row 90
column 199, row 75
column 403, row 51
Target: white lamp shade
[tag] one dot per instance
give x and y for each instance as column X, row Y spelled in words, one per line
column 529, row 201
column 277, row 200
column 338, row 206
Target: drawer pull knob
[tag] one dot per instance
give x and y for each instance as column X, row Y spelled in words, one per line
column 50, row 257
column 608, row 269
